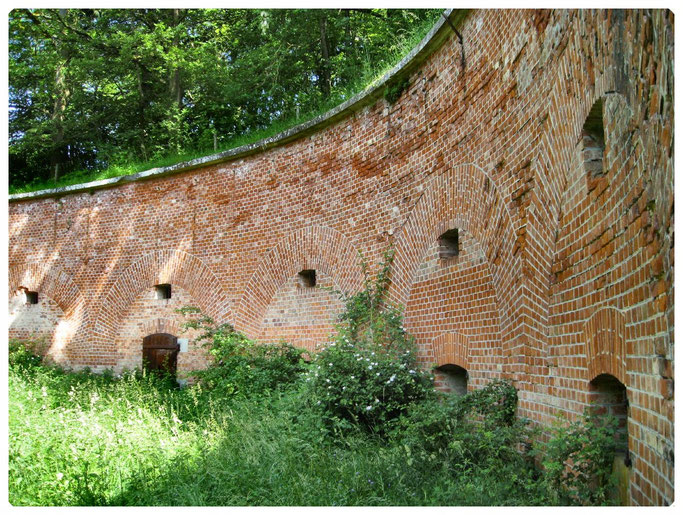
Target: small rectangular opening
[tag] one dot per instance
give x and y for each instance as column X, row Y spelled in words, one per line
column 31, row 297
column 163, row 291
column 593, row 141
column 307, row 278
column 448, row 244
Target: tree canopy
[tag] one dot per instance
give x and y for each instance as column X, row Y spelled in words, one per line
column 91, row 88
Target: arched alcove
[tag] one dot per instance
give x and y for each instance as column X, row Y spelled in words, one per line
column 136, row 289
column 46, row 303
column 293, row 269
column 451, row 379
column 34, row 319
column 609, row 398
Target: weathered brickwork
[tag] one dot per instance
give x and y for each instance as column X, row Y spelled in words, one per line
column 34, row 322
column 564, row 273
column 302, row 315
column 149, row 315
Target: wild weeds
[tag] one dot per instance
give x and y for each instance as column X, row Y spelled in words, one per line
column 361, row 425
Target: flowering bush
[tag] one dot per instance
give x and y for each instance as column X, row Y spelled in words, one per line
column 368, row 375
column 366, row 386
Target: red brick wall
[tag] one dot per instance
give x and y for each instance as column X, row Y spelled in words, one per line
column 300, row 315
column 148, row 315
column 562, row 276
column 35, row 322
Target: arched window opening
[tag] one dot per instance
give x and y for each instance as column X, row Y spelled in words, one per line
column 451, row 379
column 608, row 397
column 448, row 244
column 307, row 278
column 593, row 140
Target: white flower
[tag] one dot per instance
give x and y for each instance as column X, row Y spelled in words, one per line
column 368, row 408
column 370, row 367
column 377, row 373
column 60, row 475
column 411, row 371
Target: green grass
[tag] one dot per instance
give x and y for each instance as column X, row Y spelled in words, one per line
column 368, row 76
column 84, row 439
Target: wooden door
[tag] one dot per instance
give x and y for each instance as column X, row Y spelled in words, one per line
column 160, row 353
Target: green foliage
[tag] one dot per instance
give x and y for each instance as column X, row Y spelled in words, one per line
column 468, row 424
column 122, row 90
column 361, row 386
column 21, row 357
column 394, row 90
column 364, row 428
column 239, row 364
column 369, row 374
column 578, row 460
column 495, row 404
column 77, row 438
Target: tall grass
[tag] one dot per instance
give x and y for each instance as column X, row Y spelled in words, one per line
column 83, row 439
column 368, row 76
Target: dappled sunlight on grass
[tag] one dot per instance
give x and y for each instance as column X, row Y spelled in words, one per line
column 83, row 439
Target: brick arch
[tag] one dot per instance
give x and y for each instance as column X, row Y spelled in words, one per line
column 566, row 119
column 70, row 337
column 566, row 115
column 451, row 348
column 51, row 280
column 313, row 247
column 558, row 170
column 604, row 334
column 467, row 197
column 160, row 325
column 158, row 267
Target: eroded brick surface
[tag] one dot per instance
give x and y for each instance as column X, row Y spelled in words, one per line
column 565, row 271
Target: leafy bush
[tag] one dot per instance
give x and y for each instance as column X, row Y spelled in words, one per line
column 578, row 460
column 22, row 356
column 240, row 364
column 369, row 375
column 476, row 428
column 495, row 404
column 135, row 440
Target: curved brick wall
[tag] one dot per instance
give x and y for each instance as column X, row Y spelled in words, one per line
column 565, row 266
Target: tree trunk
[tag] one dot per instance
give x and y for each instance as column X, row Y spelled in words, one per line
column 175, row 87
column 143, row 86
column 58, row 112
column 325, row 78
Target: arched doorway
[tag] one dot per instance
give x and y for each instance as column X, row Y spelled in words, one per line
column 608, row 396
column 160, row 353
column 451, row 379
